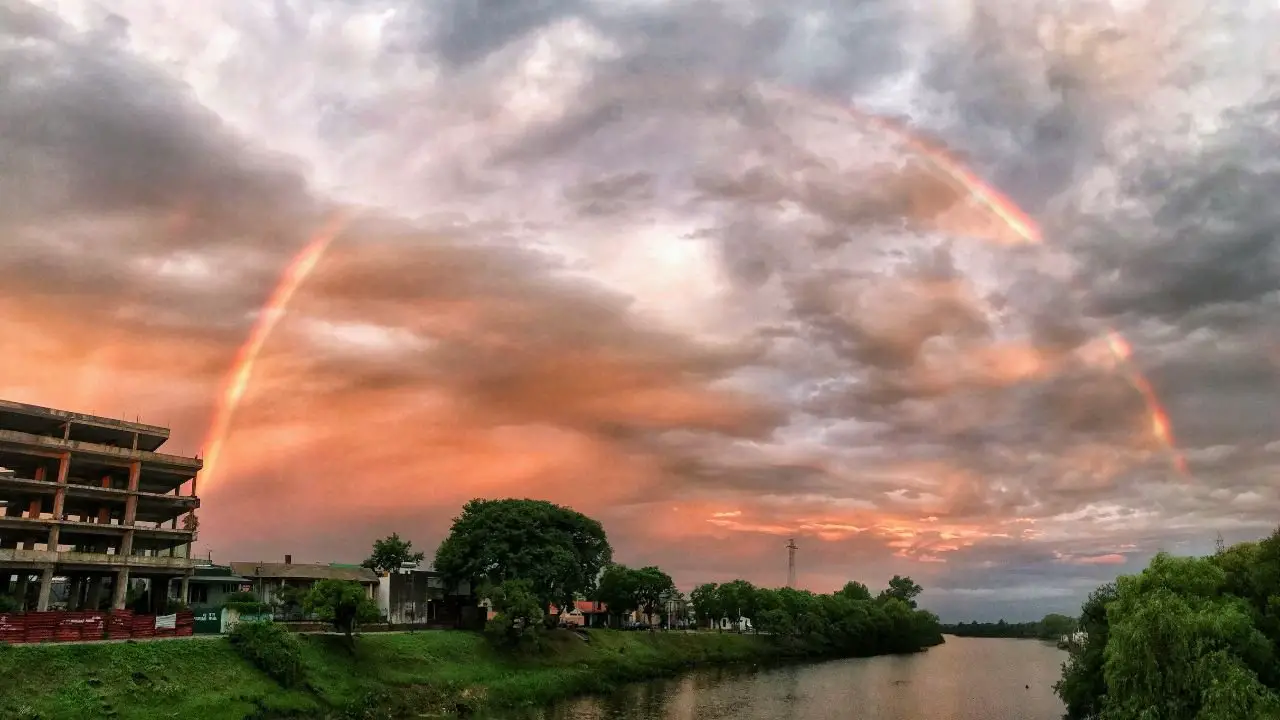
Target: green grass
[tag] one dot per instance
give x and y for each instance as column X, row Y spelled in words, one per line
column 389, row 675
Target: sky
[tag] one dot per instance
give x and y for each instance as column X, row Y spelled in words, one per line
column 639, row 257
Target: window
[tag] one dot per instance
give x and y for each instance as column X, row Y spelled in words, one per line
column 197, row 593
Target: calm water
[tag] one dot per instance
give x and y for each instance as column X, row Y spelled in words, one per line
column 964, row 679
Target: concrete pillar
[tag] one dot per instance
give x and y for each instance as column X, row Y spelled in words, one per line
column 33, row 512
column 120, row 591
column 60, row 498
column 21, row 592
column 131, row 503
column 46, row 587
column 95, row 593
column 184, row 590
column 159, row 593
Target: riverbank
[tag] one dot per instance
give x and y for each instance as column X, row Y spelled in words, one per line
column 390, row 675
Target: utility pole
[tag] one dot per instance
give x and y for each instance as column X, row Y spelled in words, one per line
column 791, row 562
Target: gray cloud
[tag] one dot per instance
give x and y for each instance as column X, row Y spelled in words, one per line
column 837, row 327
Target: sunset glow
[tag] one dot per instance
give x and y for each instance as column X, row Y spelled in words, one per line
column 921, row 289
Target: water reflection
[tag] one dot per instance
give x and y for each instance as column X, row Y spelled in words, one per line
column 966, row 679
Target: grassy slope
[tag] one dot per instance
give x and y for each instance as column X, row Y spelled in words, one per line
column 204, row 679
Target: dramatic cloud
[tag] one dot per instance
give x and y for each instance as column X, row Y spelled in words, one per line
column 643, row 259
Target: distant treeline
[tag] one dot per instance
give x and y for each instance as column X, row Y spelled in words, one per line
column 1051, row 627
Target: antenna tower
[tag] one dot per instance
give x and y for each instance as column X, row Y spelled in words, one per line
column 791, row 562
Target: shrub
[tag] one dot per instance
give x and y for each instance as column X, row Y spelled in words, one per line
column 246, row 603
column 270, row 648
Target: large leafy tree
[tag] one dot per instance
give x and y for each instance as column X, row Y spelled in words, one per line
column 706, row 603
column 1180, row 647
column 392, row 553
column 854, row 591
column 902, row 588
column 343, row 603
column 617, row 590
column 559, row 551
column 653, row 587
column 623, row 589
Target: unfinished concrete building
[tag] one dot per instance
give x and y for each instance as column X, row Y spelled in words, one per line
column 89, row 499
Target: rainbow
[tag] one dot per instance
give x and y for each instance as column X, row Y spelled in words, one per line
column 294, row 276
column 948, row 167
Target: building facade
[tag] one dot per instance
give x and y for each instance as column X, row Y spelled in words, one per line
column 92, row 500
column 412, row 595
column 269, row 579
column 211, row 584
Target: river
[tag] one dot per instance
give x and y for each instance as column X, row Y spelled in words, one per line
column 963, row 679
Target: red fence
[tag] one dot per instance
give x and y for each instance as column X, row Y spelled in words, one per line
column 41, row 627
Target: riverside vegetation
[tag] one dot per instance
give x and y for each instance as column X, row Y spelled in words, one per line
column 1188, row 638
column 523, row 555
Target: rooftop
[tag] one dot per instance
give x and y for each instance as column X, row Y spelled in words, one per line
column 38, row 420
column 304, row 571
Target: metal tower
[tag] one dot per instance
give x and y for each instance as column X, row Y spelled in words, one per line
column 791, row 562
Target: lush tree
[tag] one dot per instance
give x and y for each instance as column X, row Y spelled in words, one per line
column 652, row 588
column 617, row 590
column 707, row 607
column 843, row 623
column 1177, row 645
column 1185, row 639
column 342, row 603
column 1083, row 686
column 559, row 551
column 854, row 591
column 1054, row 626
column 519, row 613
column 289, row 601
column 902, row 588
column 392, row 553
column 738, row 599
column 623, row 589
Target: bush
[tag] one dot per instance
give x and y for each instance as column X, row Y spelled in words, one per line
column 270, row 648
column 8, row 603
column 246, row 603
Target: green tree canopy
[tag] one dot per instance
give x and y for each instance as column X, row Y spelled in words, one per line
column 902, row 588
column 618, row 590
column 854, row 591
column 706, row 603
column 1185, row 639
column 519, row 614
column 559, row 551
column 653, row 587
column 342, row 603
column 623, row 589
column 392, row 553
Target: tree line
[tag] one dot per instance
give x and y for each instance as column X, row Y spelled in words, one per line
column 1050, row 627
column 1188, row 638
column 527, row 555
